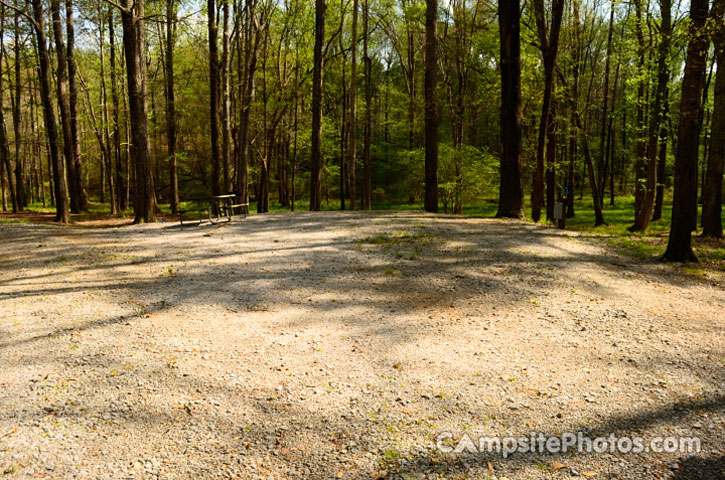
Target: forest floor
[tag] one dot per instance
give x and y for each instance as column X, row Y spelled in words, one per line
column 342, row 345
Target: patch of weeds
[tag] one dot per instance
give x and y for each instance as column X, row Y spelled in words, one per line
column 390, row 455
column 390, row 271
column 695, row 272
column 170, row 271
column 378, row 240
column 415, row 253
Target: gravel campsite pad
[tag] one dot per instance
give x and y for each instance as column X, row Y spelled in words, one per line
column 346, row 345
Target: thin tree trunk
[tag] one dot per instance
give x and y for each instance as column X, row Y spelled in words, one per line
column 4, row 149
column 20, row 191
column 120, row 184
column 605, row 107
column 316, row 140
column 352, row 112
column 226, row 99
column 213, row 96
column 246, row 94
column 343, row 119
column 367, row 161
column 679, row 246
column 549, row 48
column 431, row 106
column 64, row 107
column 640, row 165
column 662, row 162
column 171, row 105
column 81, row 200
column 712, row 187
column 643, row 216
column 51, row 128
column 107, row 163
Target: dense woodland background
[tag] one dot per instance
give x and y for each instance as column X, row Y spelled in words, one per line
column 228, row 92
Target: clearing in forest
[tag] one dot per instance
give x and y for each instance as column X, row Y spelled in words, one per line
column 343, row 345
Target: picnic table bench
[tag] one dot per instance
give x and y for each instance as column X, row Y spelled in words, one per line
column 216, row 207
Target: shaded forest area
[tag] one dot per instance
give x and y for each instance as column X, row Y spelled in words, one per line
column 146, row 104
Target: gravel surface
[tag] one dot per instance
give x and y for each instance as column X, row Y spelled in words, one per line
column 342, row 345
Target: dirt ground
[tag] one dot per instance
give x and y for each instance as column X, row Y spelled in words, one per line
column 346, row 345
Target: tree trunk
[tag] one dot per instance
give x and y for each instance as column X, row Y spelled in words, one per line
column 367, row 163
column 317, row 71
column 578, row 128
column 213, row 96
column 19, row 196
column 712, row 188
column 679, row 246
column 120, row 183
column 226, row 99
column 662, row 162
column 640, row 165
column 549, row 48
column 4, row 149
column 64, row 107
column 107, row 158
column 431, row 106
column 246, row 95
column 511, row 193
column 643, row 216
column 144, row 193
column 352, row 112
column 605, row 108
column 551, row 144
column 598, row 215
column 59, row 183
column 81, row 200
column 171, row 105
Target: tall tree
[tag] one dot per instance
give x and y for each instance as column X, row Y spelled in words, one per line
column 171, row 23
column 226, row 98
column 121, row 181
column 19, row 184
column 431, row 106
column 368, row 63
column 352, row 112
column 644, row 214
column 605, row 109
column 213, row 96
column 246, row 68
column 511, row 193
column 4, row 148
column 641, row 149
column 61, row 85
column 549, row 44
column 144, row 192
column 679, row 246
column 62, row 211
column 106, row 149
column 317, row 71
column 580, row 130
column 80, row 196
column 712, row 189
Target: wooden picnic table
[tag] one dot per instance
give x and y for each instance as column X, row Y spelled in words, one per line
column 217, row 208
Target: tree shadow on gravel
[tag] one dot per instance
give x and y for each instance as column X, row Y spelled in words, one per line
column 697, row 468
column 683, row 466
